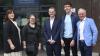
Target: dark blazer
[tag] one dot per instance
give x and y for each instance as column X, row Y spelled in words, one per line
column 10, row 32
column 74, row 19
column 55, row 31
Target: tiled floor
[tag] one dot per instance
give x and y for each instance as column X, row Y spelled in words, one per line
column 43, row 53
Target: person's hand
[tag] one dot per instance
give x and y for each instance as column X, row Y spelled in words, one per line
column 52, row 42
column 24, row 46
column 39, row 47
column 49, row 41
column 72, row 43
column 12, row 47
column 62, row 43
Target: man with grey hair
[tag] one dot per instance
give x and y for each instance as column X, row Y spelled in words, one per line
column 87, row 33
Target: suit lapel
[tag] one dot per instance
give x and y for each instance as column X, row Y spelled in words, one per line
column 48, row 24
column 13, row 24
column 85, row 23
column 54, row 23
column 64, row 20
column 72, row 20
column 78, row 26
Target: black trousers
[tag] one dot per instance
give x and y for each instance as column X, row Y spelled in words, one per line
column 67, row 47
column 31, row 53
column 53, row 49
column 35, row 52
column 84, row 49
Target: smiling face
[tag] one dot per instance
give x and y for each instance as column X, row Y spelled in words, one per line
column 81, row 13
column 52, row 12
column 32, row 19
column 11, row 15
column 67, row 8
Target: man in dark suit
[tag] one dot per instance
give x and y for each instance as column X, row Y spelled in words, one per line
column 52, row 34
column 68, row 30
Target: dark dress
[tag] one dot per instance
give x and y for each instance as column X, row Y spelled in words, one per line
column 11, row 32
column 31, row 35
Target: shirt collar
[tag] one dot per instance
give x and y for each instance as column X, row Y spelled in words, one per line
column 83, row 19
column 69, row 13
column 52, row 18
column 12, row 21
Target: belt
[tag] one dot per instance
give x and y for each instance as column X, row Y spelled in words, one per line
column 81, row 40
column 30, row 42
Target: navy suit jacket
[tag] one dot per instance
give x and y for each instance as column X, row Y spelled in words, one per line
column 74, row 19
column 55, row 31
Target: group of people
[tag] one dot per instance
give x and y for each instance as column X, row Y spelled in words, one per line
column 68, row 32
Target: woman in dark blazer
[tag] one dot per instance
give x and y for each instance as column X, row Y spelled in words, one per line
column 11, row 33
column 31, row 36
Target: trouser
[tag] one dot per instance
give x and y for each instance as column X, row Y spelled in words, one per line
column 31, row 53
column 67, row 47
column 35, row 50
column 53, row 49
column 84, row 49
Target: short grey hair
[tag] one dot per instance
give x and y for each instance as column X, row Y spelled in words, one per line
column 81, row 9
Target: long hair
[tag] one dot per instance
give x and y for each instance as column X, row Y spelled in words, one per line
column 36, row 19
column 9, row 11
